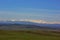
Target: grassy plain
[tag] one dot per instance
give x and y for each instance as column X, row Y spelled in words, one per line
column 29, row 35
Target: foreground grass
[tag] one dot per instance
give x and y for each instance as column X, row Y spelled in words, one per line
column 28, row 35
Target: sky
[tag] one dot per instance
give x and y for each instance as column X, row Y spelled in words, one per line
column 47, row 10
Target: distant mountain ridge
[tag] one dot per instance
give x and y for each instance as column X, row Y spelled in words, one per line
column 24, row 24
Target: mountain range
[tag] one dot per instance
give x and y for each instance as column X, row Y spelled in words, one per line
column 12, row 25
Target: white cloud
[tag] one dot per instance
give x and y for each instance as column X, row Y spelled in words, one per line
column 39, row 21
column 29, row 13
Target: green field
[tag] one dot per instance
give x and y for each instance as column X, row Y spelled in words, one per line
column 29, row 35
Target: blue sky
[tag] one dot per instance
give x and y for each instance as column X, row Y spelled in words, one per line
column 48, row 10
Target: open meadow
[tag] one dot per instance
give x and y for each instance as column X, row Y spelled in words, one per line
column 29, row 35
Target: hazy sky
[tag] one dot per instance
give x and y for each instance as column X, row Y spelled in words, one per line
column 48, row 10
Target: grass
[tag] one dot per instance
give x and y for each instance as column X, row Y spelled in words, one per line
column 29, row 35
